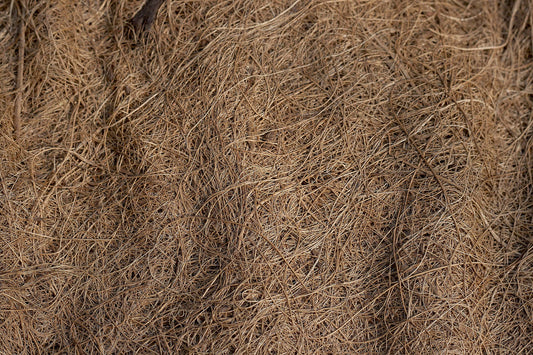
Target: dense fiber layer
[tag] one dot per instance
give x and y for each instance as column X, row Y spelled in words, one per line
column 266, row 177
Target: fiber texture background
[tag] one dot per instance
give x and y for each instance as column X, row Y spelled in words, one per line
column 261, row 177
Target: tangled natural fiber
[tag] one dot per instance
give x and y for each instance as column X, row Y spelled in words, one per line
column 288, row 176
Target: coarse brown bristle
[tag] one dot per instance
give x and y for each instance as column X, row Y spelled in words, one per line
column 266, row 177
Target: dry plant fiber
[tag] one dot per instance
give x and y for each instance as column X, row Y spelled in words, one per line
column 266, row 177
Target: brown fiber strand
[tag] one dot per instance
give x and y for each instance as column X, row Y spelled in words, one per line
column 20, row 74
